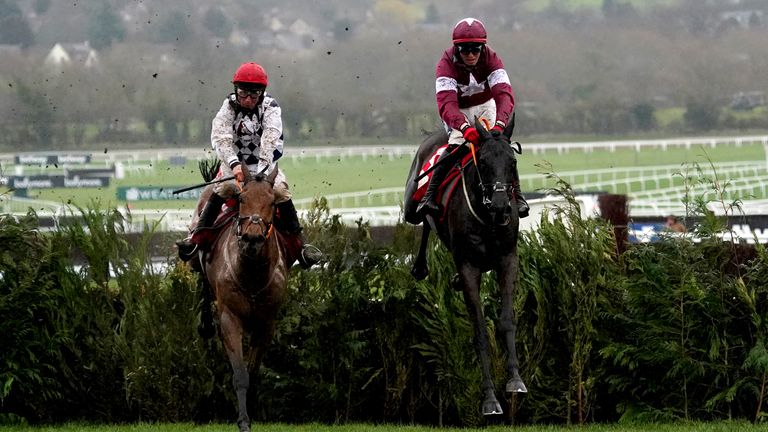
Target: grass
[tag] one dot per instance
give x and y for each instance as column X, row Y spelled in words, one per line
column 312, row 427
column 315, row 177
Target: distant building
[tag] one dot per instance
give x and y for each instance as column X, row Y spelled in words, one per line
column 745, row 101
column 741, row 18
column 67, row 54
column 296, row 37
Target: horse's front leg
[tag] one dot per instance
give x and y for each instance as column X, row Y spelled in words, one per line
column 261, row 336
column 232, row 336
column 508, row 274
column 420, row 270
column 470, row 277
column 205, row 327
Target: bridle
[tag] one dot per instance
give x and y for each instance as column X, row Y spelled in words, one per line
column 245, row 221
column 266, row 227
column 488, row 189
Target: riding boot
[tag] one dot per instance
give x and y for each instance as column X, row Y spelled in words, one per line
column 207, row 217
column 428, row 203
column 289, row 223
column 522, row 205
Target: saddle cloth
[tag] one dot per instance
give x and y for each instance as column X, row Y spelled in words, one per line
column 206, row 236
column 449, row 183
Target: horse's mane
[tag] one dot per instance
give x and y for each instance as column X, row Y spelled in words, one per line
column 434, row 138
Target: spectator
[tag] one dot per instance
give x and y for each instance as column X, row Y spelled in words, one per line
column 674, row 225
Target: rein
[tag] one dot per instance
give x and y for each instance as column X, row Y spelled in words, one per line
column 266, row 230
column 466, row 195
column 506, row 188
column 266, row 227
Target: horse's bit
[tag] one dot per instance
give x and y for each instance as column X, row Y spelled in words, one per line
column 266, row 227
column 497, row 187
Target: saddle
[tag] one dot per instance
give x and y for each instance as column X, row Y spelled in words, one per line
column 205, row 237
column 447, row 186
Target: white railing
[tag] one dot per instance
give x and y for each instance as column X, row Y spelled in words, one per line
column 599, row 178
column 357, row 199
column 372, row 205
column 394, row 151
column 639, row 145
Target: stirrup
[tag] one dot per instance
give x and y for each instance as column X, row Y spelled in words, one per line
column 427, row 207
column 523, row 212
column 310, row 255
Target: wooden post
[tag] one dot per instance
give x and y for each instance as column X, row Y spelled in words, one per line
column 614, row 209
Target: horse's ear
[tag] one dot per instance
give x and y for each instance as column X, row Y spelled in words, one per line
column 273, row 175
column 246, row 172
column 481, row 129
column 510, row 127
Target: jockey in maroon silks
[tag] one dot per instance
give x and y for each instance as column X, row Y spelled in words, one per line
column 247, row 133
column 470, row 82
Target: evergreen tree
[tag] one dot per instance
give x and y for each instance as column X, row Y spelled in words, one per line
column 174, row 28
column 104, row 26
column 217, row 22
column 14, row 28
column 41, row 6
column 432, row 14
column 701, row 115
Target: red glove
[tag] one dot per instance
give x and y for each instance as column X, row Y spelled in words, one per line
column 471, row 135
column 498, row 127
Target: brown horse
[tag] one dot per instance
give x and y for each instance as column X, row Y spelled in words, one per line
column 247, row 273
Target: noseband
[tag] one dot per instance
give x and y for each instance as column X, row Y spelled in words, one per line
column 490, row 190
column 266, row 227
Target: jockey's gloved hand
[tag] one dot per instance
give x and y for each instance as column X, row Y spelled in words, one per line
column 498, row 127
column 471, row 135
column 237, row 170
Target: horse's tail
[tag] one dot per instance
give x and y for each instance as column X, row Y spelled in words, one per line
column 209, row 168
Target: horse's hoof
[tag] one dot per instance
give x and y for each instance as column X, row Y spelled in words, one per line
column 492, row 407
column 516, row 386
column 419, row 272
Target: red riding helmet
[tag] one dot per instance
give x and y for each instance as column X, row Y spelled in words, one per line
column 469, row 30
column 250, row 73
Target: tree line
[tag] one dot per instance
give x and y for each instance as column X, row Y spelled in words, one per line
column 368, row 71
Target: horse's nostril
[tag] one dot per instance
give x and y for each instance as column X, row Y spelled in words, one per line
column 254, row 239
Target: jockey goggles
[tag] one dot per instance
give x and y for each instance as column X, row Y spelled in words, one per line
column 254, row 93
column 469, row 48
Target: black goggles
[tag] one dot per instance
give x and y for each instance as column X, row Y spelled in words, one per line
column 252, row 92
column 469, row 48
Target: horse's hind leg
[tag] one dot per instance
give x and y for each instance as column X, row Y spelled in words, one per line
column 419, row 271
column 470, row 277
column 508, row 322
column 232, row 336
